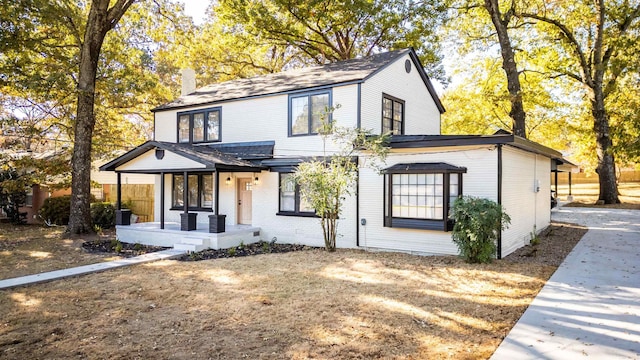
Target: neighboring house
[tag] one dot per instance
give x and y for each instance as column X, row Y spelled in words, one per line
column 223, row 157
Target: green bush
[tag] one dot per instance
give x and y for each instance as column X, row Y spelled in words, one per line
column 103, row 214
column 477, row 225
column 56, row 210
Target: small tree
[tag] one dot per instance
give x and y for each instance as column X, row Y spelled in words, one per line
column 326, row 182
column 477, row 225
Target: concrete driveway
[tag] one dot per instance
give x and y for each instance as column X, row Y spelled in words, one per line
column 590, row 308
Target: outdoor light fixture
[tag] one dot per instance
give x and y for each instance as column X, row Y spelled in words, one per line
column 228, row 181
column 256, row 181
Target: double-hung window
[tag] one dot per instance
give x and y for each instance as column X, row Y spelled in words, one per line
column 291, row 201
column 419, row 196
column 308, row 111
column 199, row 126
column 199, row 192
column 392, row 115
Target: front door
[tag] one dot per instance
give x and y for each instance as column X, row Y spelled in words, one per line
column 244, row 200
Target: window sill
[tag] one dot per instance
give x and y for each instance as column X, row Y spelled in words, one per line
column 192, row 209
column 297, row 214
column 419, row 224
column 299, row 135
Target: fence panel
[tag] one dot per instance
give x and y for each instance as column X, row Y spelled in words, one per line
column 137, row 196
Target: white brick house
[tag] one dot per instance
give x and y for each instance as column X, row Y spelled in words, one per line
column 233, row 145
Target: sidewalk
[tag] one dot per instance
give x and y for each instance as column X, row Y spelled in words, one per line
column 80, row 270
column 591, row 305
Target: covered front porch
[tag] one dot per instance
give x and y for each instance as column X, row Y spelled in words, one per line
column 190, row 183
column 151, row 233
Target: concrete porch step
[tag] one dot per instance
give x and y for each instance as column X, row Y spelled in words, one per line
column 191, row 244
column 189, row 247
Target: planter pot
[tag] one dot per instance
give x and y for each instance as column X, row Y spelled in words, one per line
column 123, row 217
column 217, row 223
column 188, row 221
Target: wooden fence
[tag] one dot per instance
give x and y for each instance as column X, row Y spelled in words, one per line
column 139, row 197
column 582, row 178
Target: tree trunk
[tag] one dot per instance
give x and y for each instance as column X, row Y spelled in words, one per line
column 606, row 168
column 501, row 23
column 101, row 19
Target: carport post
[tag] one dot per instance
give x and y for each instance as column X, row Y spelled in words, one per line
column 118, row 192
column 569, row 183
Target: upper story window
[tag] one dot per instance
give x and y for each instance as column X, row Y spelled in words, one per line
column 199, row 126
column 419, row 196
column 392, row 115
column 307, row 111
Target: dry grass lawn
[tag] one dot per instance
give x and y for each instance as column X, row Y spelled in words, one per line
column 587, row 194
column 301, row 305
column 31, row 249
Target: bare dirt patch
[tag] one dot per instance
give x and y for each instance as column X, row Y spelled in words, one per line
column 299, row 305
column 551, row 246
column 32, row 249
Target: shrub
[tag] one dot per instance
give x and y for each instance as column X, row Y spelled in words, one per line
column 103, row 214
column 477, row 225
column 56, row 210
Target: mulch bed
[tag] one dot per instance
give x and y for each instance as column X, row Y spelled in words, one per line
column 258, row 248
column 551, row 246
column 119, row 248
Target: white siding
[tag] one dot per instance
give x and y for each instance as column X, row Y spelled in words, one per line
column 148, row 161
column 529, row 210
column 480, row 180
column 292, row 229
column 110, row 177
column 266, row 118
column 421, row 113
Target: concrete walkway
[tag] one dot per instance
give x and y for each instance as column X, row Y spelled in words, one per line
column 591, row 305
column 80, row 270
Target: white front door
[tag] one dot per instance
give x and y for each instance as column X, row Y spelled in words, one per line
column 245, row 186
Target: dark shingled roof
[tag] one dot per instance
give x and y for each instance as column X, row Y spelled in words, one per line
column 438, row 167
column 306, row 78
column 209, row 157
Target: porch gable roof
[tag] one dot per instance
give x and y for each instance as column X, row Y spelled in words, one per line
column 210, row 158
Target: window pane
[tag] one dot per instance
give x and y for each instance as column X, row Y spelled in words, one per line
column 183, row 128
column 418, row 196
column 397, row 118
column 300, row 115
column 213, row 126
column 193, row 191
column 305, row 206
column 287, row 193
column 319, row 108
column 198, row 127
column 206, row 194
column 178, row 184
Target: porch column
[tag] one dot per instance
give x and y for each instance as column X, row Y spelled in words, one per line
column 217, row 194
column 161, row 200
column 556, row 182
column 118, row 192
column 187, row 221
column 569, row 183
column 123, row 217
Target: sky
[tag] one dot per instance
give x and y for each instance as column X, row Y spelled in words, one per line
column 196, row 9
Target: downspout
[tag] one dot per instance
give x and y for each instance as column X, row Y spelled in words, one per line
column 499, row 245
column 358, row 205
column 359, row 107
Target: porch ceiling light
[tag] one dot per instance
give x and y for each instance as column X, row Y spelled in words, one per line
column 228, row 181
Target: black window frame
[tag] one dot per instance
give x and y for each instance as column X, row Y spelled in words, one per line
column 200, row 189
column 310, row 112
column 444, row 224
column 297, row 200
column 394, row 100
column 205, row 113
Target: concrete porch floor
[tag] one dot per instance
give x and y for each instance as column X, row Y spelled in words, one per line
column 171, row 236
